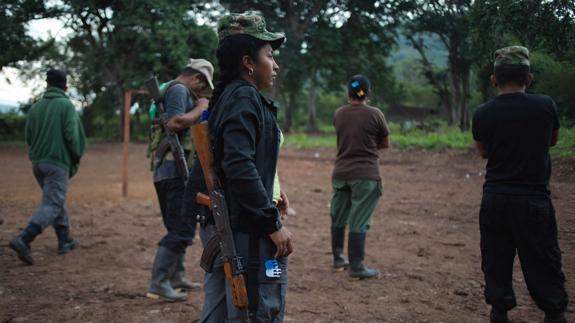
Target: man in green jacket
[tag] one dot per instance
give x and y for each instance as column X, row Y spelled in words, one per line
column 56, row 142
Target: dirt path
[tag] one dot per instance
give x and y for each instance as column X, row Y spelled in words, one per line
column 424, row 238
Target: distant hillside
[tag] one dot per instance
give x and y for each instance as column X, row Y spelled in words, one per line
column 7, row 107
column 436, row 51
column 406, row 60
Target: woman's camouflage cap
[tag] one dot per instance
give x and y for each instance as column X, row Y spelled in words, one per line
column 249, row 23
column 512, row 55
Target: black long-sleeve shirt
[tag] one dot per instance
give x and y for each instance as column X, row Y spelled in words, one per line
column 246, row 139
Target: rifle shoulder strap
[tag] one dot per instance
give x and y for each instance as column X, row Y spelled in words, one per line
column 172, row 83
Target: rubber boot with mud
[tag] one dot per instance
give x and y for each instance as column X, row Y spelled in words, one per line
column 337, row 243
column 21, row 244
column 65, row 242
column 179, row 280
column 498, row 315
column 356, row 251
column 162, row 269
column 555, row 318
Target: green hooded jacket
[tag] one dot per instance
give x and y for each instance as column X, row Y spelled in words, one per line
column 54, row 132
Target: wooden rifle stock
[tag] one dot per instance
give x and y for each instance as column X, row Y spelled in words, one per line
column 203, row 199
column 232, row 265
column 239, row 292
column 201, row 139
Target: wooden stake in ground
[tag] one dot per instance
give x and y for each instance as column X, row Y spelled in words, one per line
column 127, row 105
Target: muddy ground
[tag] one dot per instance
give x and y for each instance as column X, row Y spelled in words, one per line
column 424, row 239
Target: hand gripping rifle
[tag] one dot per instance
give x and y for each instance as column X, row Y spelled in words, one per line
column 222, row 243
column 172, row 141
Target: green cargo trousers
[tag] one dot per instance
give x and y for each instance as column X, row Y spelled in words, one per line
column 353, row 203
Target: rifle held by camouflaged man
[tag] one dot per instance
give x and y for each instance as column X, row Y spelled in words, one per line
column 172, row 141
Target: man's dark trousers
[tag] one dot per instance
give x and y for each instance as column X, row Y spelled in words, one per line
column 524, row 224
column 181, row 227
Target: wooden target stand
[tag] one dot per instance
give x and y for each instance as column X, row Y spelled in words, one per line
column 128, row 95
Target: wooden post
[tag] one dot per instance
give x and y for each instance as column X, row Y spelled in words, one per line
column 127, row 105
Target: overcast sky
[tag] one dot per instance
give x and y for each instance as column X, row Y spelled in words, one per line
column 12, row 89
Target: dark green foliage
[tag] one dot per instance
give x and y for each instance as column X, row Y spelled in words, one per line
column 328, row 42
column 17, row 44
column 547, row 28
column 556, row 78
column 115, row 45
column 12, row 126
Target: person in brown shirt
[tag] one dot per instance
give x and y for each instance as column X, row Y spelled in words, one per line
column 361, row 131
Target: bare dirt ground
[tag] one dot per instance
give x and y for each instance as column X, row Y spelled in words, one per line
column 424, row 239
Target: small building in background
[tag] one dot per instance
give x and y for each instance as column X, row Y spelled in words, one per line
column 401, row 113
column 409, row 117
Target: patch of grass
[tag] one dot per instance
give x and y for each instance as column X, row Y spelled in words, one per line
column 303, row 141
column 444, row 137
column 566, row 145
column 13, row 144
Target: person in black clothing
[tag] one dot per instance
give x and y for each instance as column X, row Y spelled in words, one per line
column 183, row 104
column 514, row 132
column 245, row 138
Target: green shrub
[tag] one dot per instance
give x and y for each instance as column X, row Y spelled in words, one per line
column 12, row 126
column 566, row 144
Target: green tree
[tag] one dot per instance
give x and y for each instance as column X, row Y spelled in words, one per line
column 296, row 19
column 542, row 26
column 357, row 39
column 14, row 17
column 451, row 23
column 555, row 78
column 115, row 45
column 328, row 41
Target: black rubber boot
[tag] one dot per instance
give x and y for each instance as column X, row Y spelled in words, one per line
column 356, row 251
column 179, row 280
column 498, row 315
column 337, row 243
column 21, row 244
column 160, row 287
column 65, row 242
column 555, row 318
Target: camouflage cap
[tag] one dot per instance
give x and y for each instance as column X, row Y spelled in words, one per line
column 249, row 23
column 512, row 55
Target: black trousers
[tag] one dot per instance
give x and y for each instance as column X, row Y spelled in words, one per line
column 525, row 225
column 181, row 226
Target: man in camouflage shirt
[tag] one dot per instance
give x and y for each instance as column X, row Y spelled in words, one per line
column 183, row 108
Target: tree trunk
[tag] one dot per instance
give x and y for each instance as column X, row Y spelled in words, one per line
column 455, row 76
column 440, row 85
column 449, row 108
column 465, row 119
column 88, row 120
column 289, row 107
column 312, row 103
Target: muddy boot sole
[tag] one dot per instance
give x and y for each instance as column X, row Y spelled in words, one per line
column 340, row 265
column 157, row 296
column 23, row 252
column 185, row 288
column 68, row 246
column 364, row 275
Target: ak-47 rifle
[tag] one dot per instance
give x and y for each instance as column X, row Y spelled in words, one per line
column 172, row 141
column 222, row 243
